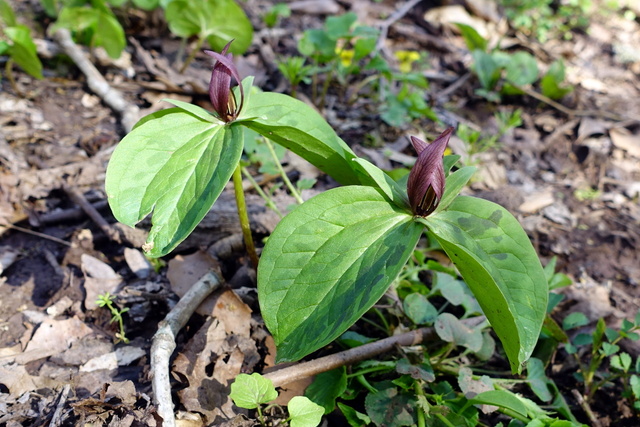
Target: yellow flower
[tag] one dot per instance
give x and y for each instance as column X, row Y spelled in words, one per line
column 406, row 59
column 346, row 56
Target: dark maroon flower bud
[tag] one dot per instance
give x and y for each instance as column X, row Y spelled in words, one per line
column 222, row 97
column 426, row 180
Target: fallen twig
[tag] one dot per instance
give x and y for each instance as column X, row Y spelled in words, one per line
column 164, row 342
column 366, row 351
column 586, row 408
column 397, row 15
column 34, row 233
column 93, row 213
column 97, row 83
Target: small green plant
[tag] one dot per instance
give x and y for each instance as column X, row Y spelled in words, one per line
column 107, row 300
column 479, row 143
column 295, row 71
column 544, row 19
column 275, row 12
column 501, row 73
column 253, row 391
column 16, row 42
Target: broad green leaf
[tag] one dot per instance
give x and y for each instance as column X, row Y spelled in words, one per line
column 175, row 164
column 522, row 69
column 486, row 68
column 327, row 387
column 251, row 391
column 394, row 192
column 340, row 26
column 146, row 4
column 304, row 413
column 503, row 399
column 23, row 50
column 471, row 37
column 199, row 112
column 498, row 262
column 299, row 128
column 217, row 21
column 327, row 263
column 574, row 320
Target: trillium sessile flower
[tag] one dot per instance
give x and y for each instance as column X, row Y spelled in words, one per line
column 222, row 98
column 426, row 180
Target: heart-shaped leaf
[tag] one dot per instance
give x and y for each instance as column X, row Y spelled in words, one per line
column 327, row 263
column 498, row 262
column 176, row 164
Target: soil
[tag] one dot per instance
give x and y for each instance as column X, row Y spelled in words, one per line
column 570, row 175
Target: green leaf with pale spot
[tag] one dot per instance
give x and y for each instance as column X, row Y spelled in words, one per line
column 498, row 262
column 175, row 164
column 327, row 263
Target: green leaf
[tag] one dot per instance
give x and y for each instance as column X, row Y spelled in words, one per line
column 503, row 399
column 454, row 183
column 23, row 50
column 109, row 34
column 394, row 192
column 522, row 69
column 391, row 408
column 538, row 380
column 551, row 81
column 634, row 382
column 471, row 37
column 340, row 26
column 251, row 391
column 450, row 329
column 354, row 418
column 327, row 387
column 304, row 413
column 7, row 16
column 574, row 320
column 486, row 68
column 500, row 266
column 419, row 309
column 621, row 362
column 175, row 164
column 217, row 21
column 327, row 263
column 299, row 128
column 146, row 4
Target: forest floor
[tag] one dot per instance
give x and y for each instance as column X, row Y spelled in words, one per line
column 571, row 175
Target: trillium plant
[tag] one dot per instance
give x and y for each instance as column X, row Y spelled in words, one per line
column 333, row 257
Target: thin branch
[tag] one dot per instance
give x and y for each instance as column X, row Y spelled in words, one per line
column 97, row 83
column 348, row 357
column 586, row 408
column 164, row 342
column 92, row 212
column 387, row 23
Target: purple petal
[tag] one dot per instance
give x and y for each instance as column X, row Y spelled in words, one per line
column 426, row 180
column 226, row 67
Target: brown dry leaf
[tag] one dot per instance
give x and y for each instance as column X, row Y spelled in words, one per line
column 53, row 337
column 223, row 343
column 625, row 140
column 99, row 278
column 184, row 271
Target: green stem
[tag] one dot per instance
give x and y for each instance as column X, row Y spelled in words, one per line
column 285, row 178
column 192, row 55
column 244, row 216
column 444, row 421
column 267, row 199
column 420, row 413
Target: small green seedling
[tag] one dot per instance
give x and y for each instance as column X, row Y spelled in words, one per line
column 253, row 391
column 16, row 42
column 106, row 300
column 275, row 13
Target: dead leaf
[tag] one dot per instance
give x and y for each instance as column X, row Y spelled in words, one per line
column 53, row 337
column 184, row 271
column 99, row 278
column 625, row 140
column 536, row 201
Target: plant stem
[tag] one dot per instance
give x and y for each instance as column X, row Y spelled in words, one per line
column 285, row 178
column 244, row 216
column 420, row 412
column 192, row 55
column 12, row 81
column 267, row 199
